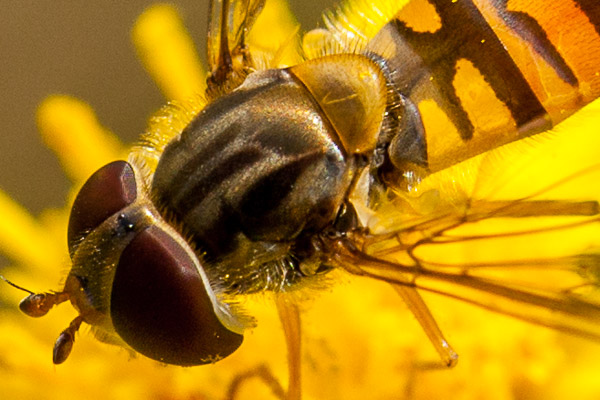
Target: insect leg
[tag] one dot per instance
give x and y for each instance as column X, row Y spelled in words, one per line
column 289, row 316
column 64, row 343
column 263, row 373
column 290, row 321
column 350, row 258
column 417, row 306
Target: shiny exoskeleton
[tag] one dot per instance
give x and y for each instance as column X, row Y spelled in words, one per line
column 247, row 183
column 259, row 191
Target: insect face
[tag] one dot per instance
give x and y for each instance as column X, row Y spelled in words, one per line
column 134, row 279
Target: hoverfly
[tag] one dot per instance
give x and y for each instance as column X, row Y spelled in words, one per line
column 337, row 163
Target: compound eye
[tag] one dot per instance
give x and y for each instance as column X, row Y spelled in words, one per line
column 107, row 191
column 160, row 305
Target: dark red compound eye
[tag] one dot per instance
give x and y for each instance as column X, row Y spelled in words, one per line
column 160, row 307
column 107, row 191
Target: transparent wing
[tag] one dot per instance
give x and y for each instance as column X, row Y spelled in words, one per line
column 515, row 231
column 228, row 27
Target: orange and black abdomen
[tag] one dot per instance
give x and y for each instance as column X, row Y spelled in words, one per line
column 483, row 73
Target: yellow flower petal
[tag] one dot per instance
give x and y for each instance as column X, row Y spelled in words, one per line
column 69, row 127
column 23, row 239
column 168, row 53
column 275, row 33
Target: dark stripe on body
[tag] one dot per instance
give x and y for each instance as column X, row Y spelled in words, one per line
column 591, row 8
column 466, row 34
column 211, row 150
column 251, row 213
column 195, row 191
column 212, row 145
column 529, row 30
column 250, row 171
column 253, row 209
column 267, row 193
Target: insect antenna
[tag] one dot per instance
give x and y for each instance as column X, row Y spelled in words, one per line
column 37, row 305
column 15, row 285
